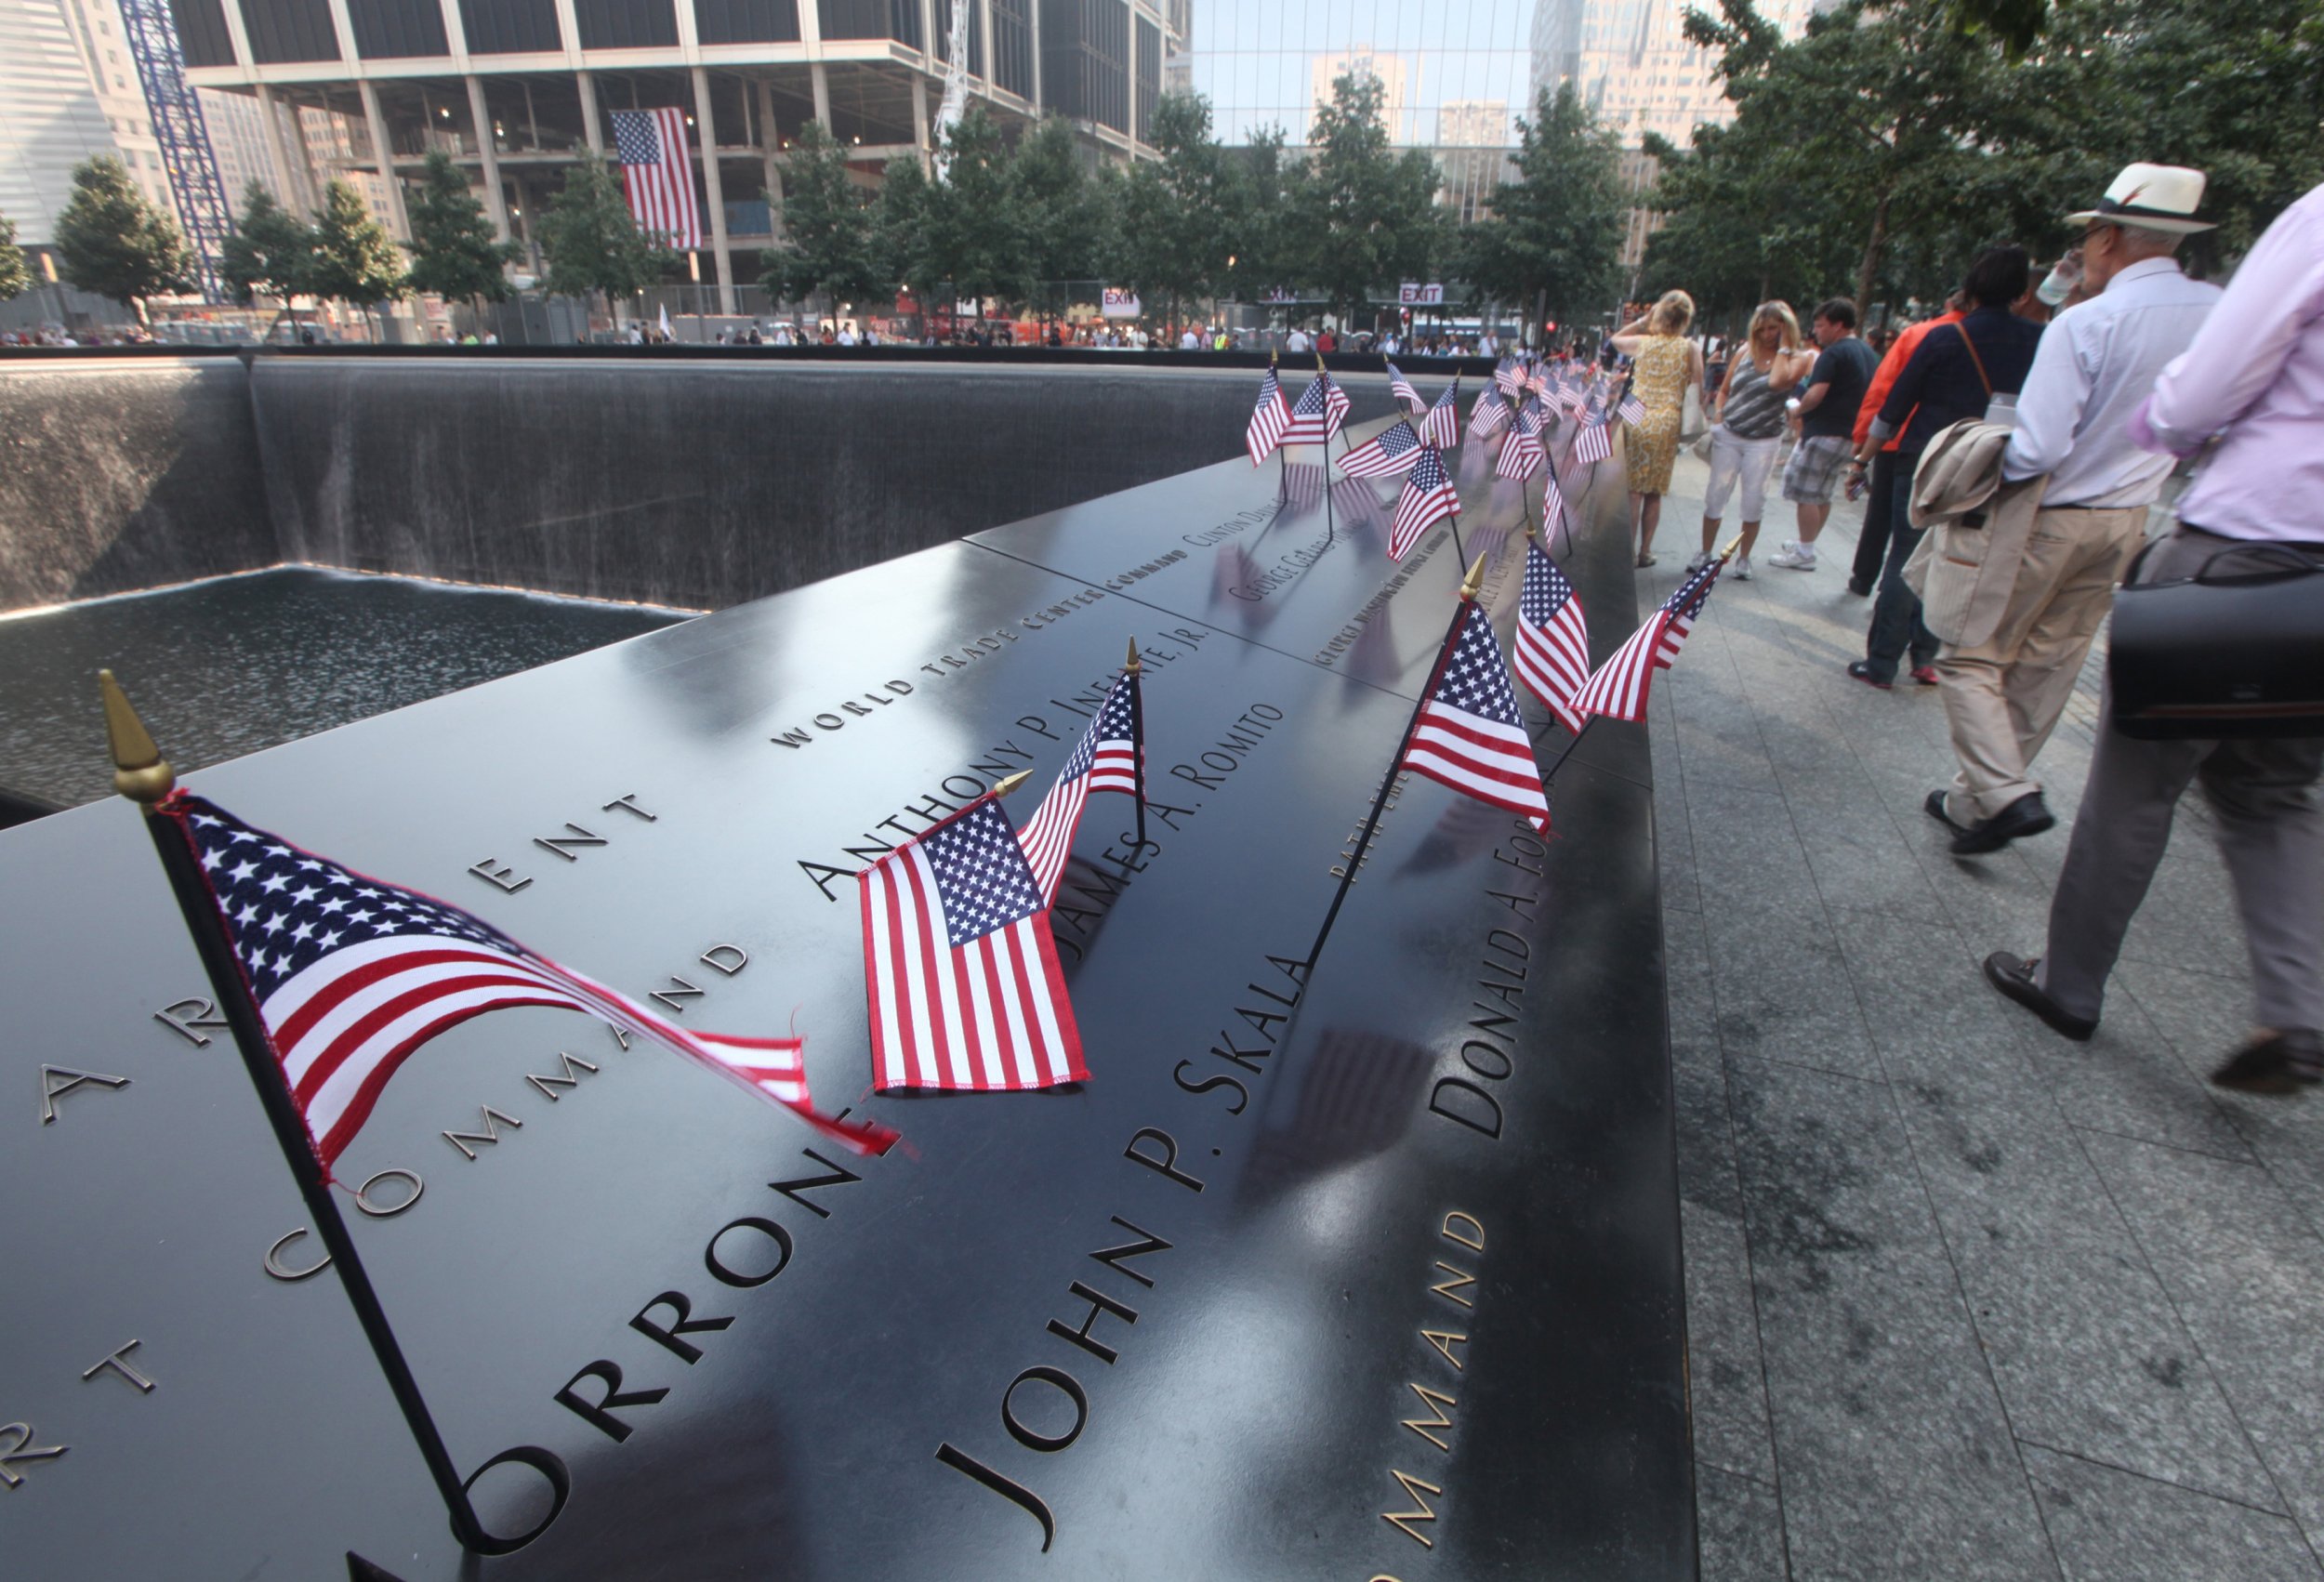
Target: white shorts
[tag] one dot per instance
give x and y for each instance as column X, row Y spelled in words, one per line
column 1750, row 460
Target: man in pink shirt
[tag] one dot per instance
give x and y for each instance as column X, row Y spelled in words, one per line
column 2253, row 379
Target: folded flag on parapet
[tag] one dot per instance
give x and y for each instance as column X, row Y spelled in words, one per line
column 1441, row 427
column 1509, row 377
column 1315, row 415
column 1428, row 497
column 1268, row 419
column 1469, row 734
column 1110, row 757
column 1489, row 415
column 1385, row 453
column 1631, row 410
column 1522, row 454
column 1619, row 688
column 1401, row 388
column 349, row 975
column 959, row 965
column 1551, row 654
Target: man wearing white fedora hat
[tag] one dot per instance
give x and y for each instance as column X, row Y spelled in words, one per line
column 2005, row 684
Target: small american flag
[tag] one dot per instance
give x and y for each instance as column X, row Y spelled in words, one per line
column 1522, row 454
column 1315, row 415
column 1596, row 443
column 1469, row 734
column 959, row 965
column 1538, row 381
column 1268, row 419
column 1401, row 388
column 351, row 975
column 1509, row 377
column 657, row 174
column 1632, row 410
column 1428, row 497
column 1619, row 688
column 1551, row 652
column 1107, row 758
column 1385, row 453
column 1441, row 427
column 1489, row 415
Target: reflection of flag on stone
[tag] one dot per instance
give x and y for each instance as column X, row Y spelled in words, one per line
column 1619, row 687
column 1469, row 734
column 1551, row 652
column 351, row 975
column 1315, row 415
column 1428, row 497
column 1522, row 454
column 657, row 174
column 1385, row 453
column 1303, row 483
column 1268, row 418
column 1441, row 427
column 1360, row 504
column 958, row 964
column 1401, row 388
column 1107, row 758
column 1489, row 415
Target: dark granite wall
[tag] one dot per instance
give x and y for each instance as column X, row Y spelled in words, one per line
column 119, row 474
column 701, row 482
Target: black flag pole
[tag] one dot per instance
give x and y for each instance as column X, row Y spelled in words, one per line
column 141, row 774
column 1135, row 670
column 1371, row 821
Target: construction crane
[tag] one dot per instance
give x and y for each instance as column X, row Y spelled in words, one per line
column 175, row 113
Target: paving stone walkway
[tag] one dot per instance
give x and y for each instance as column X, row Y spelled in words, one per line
column 1965, row 1300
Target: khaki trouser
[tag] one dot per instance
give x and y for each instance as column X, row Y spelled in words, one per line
column 2003, row 696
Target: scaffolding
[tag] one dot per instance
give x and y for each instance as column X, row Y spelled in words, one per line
column 184, row 137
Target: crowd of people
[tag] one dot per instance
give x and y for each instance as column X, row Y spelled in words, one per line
column 2033, row 425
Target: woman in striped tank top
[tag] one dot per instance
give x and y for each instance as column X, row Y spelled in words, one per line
column 1750, row 415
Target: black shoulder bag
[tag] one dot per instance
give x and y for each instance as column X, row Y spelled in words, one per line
column 2236, row 650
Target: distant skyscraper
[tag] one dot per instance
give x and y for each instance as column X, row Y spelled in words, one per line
column 1630, row 62
column 51, row 120
column 1361, row 62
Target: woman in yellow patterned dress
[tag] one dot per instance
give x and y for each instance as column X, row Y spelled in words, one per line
column 1664, row 363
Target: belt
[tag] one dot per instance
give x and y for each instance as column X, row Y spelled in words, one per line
column 2185, row 526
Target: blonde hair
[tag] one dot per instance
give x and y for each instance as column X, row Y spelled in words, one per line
column 1672, row 314
column 1778, row 314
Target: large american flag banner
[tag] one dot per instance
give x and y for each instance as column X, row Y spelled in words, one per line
column 1551, row 654
column 1619, row 688
column 658, row 176
column 1522, row 454
column 1441, row 427
column 1401, row 388
column 1469, row 734
column 351, row 975
column 1489, row 415
column 959, row 965
column 1428, row 497
column 1315, row 415
column 1268, row 419
column 1385, row 453
column 1108, row 758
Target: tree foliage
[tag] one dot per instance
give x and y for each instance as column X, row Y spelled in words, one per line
column 1181, row 217
column 1365, row 216
column 354, row 261
column 1062, row 209
column 112, row 241
column 973, row 226
column 830, row 243
column 1554, row 239
column 454, row 249
column 270, row 252
column 15, row 278
column 590, row 239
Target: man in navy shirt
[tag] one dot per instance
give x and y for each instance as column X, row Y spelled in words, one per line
column 1833, row 391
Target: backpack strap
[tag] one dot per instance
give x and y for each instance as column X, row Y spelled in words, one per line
column 1976, row 360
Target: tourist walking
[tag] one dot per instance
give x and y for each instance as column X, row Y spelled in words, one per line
column 2006, row 679
column 2253, row 381
column 1955, row 374
column 1873, row 541
column 1828, row 411
column 1664, row 363
column 1747, row 418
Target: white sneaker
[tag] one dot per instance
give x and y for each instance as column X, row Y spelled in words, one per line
column 1794, row 557
column 1742, row 572
column 1699, row 561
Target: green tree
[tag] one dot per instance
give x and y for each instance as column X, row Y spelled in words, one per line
column 1180, row 217
column 455, row 250
column 271, row 251
column 900, row 228
column 354, row 261
column 1062, row 208
column 1553, row 244
column 975, row 229
column 15, row 279
column 592, row 242
column 831, row 240
column 1366, row 215
column 112, row 242
column 1262, row 254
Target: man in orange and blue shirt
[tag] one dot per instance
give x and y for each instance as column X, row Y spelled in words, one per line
column 1872, row 543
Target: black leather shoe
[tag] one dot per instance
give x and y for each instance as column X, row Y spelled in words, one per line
column 2015, row 979
column 1862, row 590
column 1934, row 808
column 1862, row 670
column 2027, row 815
column 2280, row 1063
